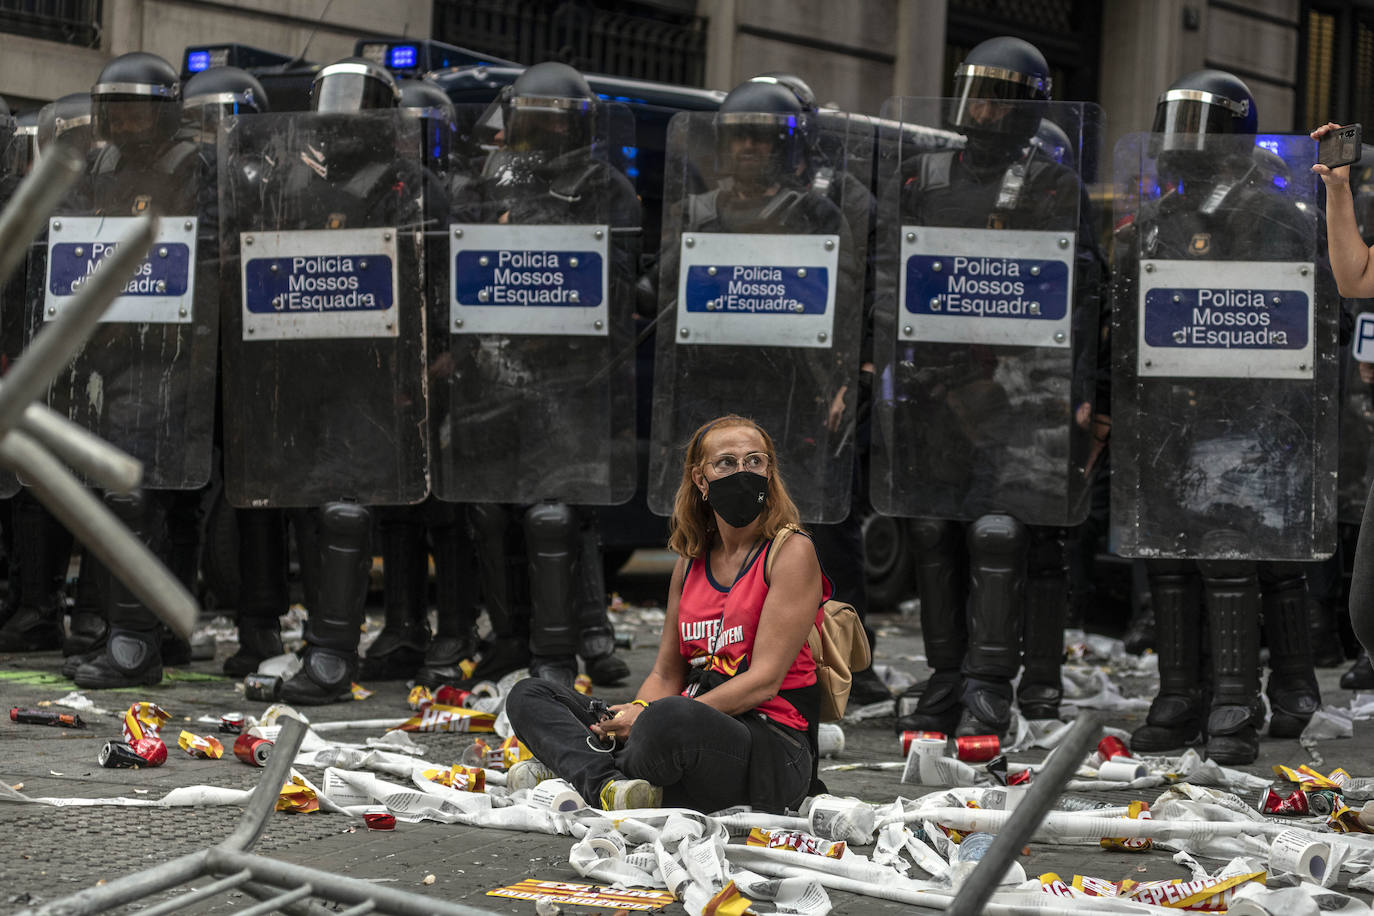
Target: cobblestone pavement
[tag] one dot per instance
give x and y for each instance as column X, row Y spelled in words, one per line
column 48, row 852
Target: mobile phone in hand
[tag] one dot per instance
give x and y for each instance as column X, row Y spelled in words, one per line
column 1340, row 147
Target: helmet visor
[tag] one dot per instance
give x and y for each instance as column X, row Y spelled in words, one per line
column 346, row 92
column 1187, row 117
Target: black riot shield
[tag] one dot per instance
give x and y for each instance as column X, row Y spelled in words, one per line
column 761, row 281
column 1224, row 366
column 1357, row 417
column 145, row 381
column 986, row 328
column 532, row 363
column 324, row 357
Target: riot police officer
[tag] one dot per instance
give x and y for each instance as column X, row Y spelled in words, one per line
column 1001, row 479
column 1204, row 496
column 298, row 431
column 152, row 376
column 532, row 424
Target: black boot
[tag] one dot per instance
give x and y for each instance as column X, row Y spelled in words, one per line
column 505, row 582
column 400, row 648
column 1175, row 717
column 595, row 635
column 43, row 548
column 1360, row 676
column 1292, row 689
column 330, row 662
column 455, row 569
column 1233, row 611
column 263, row 596
column 941, row 582
column 132, row 656
column 1047, row 598
column 552, row 539
column 997, row 573
column 1327, row 651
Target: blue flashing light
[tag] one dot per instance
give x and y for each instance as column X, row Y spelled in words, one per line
column 1280, row 181
column 197, row 61
column 632, row 172
column 1271, row 145
column 403, row 57
column 629, row 152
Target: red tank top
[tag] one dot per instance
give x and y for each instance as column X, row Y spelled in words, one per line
column 726, row 619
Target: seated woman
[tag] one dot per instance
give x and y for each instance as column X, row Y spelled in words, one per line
column 728, row 714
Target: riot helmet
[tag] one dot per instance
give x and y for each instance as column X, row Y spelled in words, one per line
column 67, row 120
column 25, row 149
column 352, row 85
column 762, row 128
column 341, row 91
column 1197, row 121
column 222, row 92
column 551, row 109
column 991, row 89
column 1202, row 104
column 1051, row 142
column 136, row 102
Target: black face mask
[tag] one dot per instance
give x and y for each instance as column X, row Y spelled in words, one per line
column 738, row 499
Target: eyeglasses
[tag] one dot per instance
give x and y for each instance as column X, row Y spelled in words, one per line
column 755, row 462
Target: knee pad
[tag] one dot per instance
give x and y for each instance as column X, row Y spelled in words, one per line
column 996, row 536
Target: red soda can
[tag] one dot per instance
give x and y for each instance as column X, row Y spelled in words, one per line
column 252, row 751
column 977, row 748
column 1295, row 805
column 152, row 750
column 908, row 737
column 451, row 696
column 231, row 723
column 380, row 821
column 1019, row 778
column 1110, row 747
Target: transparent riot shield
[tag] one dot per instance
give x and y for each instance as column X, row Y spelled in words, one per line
column 145, row 381
column 323, row 357
column 1224, row 365
column 986, row 330
column 532, row 377
column 761, row 295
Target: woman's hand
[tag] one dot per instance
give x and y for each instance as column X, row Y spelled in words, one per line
column 618, row 726
column 1338, row 177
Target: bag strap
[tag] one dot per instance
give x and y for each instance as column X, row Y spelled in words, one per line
column 773, row 551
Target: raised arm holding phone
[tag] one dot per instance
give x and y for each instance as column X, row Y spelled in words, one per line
column 1351, row 263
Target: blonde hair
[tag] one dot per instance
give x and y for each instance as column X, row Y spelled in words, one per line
column 693, row 522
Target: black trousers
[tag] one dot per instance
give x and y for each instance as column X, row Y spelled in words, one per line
column 700, row 756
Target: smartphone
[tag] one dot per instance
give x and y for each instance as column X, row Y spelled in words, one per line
column 1340, row 147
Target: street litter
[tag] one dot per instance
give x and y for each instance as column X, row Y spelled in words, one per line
column 583, row 895
column 144, row 720
column 201, row 746
column 44, row 717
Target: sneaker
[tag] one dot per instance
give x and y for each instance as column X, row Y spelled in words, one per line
column 625, row 794
column 527, row 774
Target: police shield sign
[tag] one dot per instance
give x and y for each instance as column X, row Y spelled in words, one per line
column 162, row 290
column 529, row 280
column 987, row 286
column 1364, row 338
column 741, row 288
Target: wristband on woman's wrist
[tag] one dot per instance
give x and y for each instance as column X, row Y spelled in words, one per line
column 643, row 703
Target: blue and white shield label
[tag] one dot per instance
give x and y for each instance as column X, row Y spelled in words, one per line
column 162, row 288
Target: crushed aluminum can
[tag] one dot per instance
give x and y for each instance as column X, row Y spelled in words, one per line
column 977, row 748
column 145, row 752
column 264, row 688
column 253, row 751
column 624, row 639
column 231, row 723
column 1295, row 805
column 1323, row 801
column 1110, row 747
column 380, row 820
